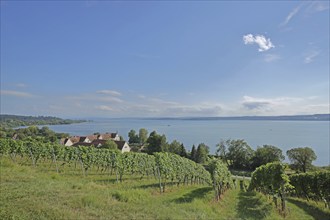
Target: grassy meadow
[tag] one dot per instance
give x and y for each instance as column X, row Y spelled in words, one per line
column 29, row 192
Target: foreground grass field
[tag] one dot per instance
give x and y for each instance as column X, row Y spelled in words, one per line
column 41, row 193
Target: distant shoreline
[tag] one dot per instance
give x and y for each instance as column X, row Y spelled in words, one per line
column 16, row 121
column 315, row 117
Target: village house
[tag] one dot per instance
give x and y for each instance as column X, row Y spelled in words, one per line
column 88, row 139
column 69, row 141
column 96, row 141
column 121, row 145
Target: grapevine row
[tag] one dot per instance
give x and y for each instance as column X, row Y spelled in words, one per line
column 271, row 179
column 181, row 170
column 220, row 176
column 314, row 185
column 166, row 167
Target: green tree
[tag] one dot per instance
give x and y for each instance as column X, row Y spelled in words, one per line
column 266, row 154
column 174, row 147
column 110, row 144
column 48, row 134
column 202, row 153
column 31, row 131
column 156, row 143
column 45, row 131
column 239, row 154
column 183, row 151
column 133, row 137
column 222, row 150
column 143, row 135
column 301, row 158
column 193, row 153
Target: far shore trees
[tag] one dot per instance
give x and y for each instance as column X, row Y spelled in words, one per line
column 44, row 133
column 301, row 158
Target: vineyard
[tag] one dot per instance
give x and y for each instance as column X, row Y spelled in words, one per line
column 166, row 167
column 271, row 179
column 103, row 182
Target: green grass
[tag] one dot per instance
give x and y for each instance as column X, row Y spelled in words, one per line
column 315, row 210
column 41, row 193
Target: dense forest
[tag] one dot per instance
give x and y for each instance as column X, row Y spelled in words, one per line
column 12, row 121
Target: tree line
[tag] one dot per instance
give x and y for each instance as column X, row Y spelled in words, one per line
column 12, row 121
column 158, row 143
column 237, row 154
column 42, row 134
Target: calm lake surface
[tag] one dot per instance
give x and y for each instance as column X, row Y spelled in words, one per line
column 283, row 134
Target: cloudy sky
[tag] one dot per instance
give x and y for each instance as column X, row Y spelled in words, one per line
column 141, row 59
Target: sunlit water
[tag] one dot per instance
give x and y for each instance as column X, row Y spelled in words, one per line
column 283, row 134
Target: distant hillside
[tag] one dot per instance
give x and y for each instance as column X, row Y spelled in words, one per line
column 12, row 121
column 316, row 117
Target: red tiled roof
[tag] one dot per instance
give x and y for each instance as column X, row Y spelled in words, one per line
column 74, row 139
column 107, row 136
column 92, row 137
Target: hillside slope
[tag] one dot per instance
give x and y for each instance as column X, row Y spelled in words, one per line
column 41, row 193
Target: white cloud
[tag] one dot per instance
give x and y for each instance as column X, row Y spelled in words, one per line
column 16, row 93
column 194, row 110
column 140, row 105
column 281, row 106
column 291, row 15
column 310, row 7
column 95, row 98
column 109, row 99
column 21, row 85
column 255, row 103
column 271, row 57
column 310, row 56
column 109, row 92
column 156, row 107
column 318, row 6
column 141, row 96
column 263, row 43
column 162, row 102
column 104, row 108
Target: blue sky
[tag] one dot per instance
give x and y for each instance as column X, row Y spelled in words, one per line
column 188, row 58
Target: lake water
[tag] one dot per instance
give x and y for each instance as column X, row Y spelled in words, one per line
column 283, row 134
